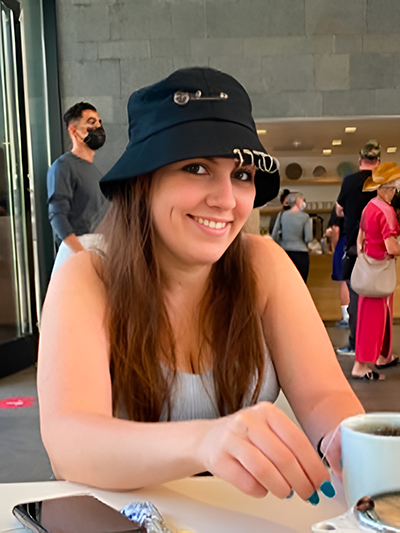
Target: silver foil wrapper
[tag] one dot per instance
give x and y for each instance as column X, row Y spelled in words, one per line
column 146, row 515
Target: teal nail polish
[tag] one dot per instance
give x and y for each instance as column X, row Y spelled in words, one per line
column 328, row 489
column 314, row 499
column 341, row 464
column 290, row 495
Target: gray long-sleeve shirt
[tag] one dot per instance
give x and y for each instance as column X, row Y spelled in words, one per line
column 76, row 204
column 296, row 231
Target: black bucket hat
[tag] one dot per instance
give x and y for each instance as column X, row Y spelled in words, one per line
column 194, row 112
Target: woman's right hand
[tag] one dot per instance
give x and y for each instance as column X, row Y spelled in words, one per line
column 260, row 450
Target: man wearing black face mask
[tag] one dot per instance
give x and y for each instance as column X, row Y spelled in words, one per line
column 76, row 204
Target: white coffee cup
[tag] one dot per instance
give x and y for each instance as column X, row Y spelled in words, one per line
column 371, row 461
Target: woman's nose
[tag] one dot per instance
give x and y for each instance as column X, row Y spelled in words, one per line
column 222, row 194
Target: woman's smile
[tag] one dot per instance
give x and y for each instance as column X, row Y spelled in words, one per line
column 210, row 223
column 199, row 206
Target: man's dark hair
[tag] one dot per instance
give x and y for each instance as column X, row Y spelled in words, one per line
column 75, row 112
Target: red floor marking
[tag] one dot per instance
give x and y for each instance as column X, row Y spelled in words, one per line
column 17, row 401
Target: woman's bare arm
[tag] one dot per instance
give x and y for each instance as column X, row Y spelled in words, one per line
column 257, row 449
column 360, row 241
column 85, row 443
column 307, row 367
column 392, row 246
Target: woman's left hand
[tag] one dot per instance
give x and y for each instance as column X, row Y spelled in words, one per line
column 259, row 450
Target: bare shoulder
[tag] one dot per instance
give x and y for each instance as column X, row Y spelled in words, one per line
column 74, row 347
column 78, row 279
column 266, row 255
column 261, row 248
column 275, row 273
column 74, row 319
column 81, row 266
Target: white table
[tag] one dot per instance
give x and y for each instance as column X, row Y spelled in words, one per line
column 198, row 505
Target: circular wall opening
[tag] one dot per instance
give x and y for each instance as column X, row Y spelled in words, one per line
column 319, row 171
column 293, row 171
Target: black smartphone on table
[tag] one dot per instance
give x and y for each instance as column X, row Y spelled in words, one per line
column 73, row 514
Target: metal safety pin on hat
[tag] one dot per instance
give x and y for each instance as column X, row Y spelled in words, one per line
column 182, row 98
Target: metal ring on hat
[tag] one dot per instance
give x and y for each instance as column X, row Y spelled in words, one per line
column 245, row 151
column 271, row 162
column 264, row 167
column 241, row 159
column 262, row 155
column 277, row 163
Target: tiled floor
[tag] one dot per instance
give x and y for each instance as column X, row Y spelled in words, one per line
column 22, row 455
column 379, row 395
column 23, row 458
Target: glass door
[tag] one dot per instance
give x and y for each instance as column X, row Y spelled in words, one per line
column 15, row 284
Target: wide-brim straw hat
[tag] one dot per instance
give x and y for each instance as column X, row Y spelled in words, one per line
column 381, row 174
column 194, row 112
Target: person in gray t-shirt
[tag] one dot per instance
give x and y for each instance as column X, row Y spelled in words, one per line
column 293, row 231
column 75, row 202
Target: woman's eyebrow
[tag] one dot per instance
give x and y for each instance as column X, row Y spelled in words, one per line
column 213, row 159
column 248, row 167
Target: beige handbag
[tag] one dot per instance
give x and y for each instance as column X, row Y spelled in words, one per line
column 372, row 277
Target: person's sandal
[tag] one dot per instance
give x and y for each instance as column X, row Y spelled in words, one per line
column 369, row 376
column 393, row 362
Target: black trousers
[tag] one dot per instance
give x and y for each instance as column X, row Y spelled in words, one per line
column 348, row 262
column 352, row 310
column 302, row 262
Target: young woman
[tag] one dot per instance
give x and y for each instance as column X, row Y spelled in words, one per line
column 160, row 357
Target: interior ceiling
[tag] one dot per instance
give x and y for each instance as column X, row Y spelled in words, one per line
column 308, row 137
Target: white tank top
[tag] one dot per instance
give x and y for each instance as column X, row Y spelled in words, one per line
column 193, row 395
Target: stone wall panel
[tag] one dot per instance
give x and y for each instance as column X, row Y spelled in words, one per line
column 383, row 14
column 347, row 103
column 372, row 71
column 297, row 58
column 255, row 18
column 341, row 17
column 332, row 71
column 288, row 73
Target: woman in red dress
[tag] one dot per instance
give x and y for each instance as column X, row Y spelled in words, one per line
column 377, row 237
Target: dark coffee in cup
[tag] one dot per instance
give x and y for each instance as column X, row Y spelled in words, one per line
column 384, row 431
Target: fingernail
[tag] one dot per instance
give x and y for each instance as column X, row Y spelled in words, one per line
column 314, row 499
column 290, row 495
column 341, row 464
column 328, row 489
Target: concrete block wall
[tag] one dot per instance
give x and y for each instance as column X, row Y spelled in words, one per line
column 296, row 58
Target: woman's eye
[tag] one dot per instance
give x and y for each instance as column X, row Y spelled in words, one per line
column 195, row 168
column 243, row 175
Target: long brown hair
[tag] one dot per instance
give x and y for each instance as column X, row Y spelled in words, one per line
column 140, row 332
